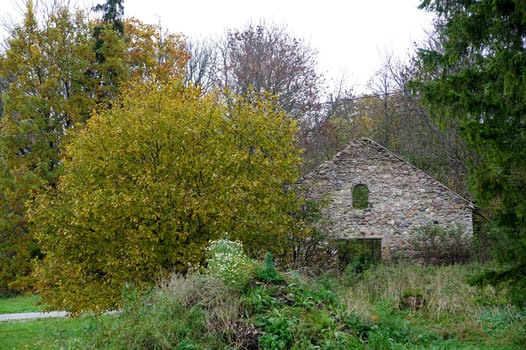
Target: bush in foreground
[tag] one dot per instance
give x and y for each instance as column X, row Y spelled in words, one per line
column 228, row 262
column 148, row 183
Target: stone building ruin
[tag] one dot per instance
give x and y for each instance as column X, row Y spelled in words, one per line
column 376, row 196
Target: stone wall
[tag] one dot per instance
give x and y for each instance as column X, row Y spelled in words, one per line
column 401, row 197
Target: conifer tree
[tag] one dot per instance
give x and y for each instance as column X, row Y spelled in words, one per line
column 477, row 77
column 109, row 69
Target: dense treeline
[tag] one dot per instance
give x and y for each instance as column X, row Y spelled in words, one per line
column 124, row 148
column 115, row 169
column 58, row 68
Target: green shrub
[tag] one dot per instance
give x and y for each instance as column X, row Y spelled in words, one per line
column 268, row 272
column 182, row 169
column 413, row 299
column 436, row 245
column 357, row 255
column 310, row 252
column 280, row 327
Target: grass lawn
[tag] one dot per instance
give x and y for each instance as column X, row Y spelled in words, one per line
column 21, row 303
column 39, row 334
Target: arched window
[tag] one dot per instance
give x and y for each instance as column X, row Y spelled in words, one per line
column 360, row 197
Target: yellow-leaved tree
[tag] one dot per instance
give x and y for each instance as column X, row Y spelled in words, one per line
column 148, row 183
column 56, row 67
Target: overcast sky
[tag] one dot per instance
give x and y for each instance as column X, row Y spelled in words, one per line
column 350, row 35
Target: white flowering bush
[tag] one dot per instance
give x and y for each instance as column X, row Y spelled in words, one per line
column 227, row 261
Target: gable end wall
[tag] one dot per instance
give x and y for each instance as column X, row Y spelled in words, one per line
column 401, row 197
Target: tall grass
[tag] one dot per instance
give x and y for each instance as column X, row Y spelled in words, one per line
column 185, row 312
column 447, row 301
column 444, row 289
column 294, row 311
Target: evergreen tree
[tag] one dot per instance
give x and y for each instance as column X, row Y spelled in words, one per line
column 109, row 47
column 478, row 77
column 112, row 14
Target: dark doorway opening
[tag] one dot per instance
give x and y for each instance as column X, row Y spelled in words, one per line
column 359, row 253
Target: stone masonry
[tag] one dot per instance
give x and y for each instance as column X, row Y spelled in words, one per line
column 401, row 197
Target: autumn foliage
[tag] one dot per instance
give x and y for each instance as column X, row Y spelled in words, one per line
column 147, row 184
column 54, row 71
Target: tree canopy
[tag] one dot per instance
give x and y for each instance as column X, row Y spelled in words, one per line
column 45, row 94
column 263, row 58
column 150, row 181
column 478, row 77
column 51, row 81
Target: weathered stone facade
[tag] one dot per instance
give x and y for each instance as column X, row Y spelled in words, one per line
column 401, row 197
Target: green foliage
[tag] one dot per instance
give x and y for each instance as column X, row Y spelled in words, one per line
column 357, row 255
column 182, row 313
column 455, row 309
column 269, row 273
column 192, row 312
column 279, row 328
column 227, row 261
column 112, row 13
column 45, row 96
column 476, row 77
column 310, row 251
column 437, row 245
column 360, row 197
column 200, row 312
column 109, row 69
column 297, row 315
column 109, row 49
column 148, row 183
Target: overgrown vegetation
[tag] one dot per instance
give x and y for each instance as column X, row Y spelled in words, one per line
column 435, row 245
column 128, row 174
column 367, row 311
column 473, row 76
column 384, row 307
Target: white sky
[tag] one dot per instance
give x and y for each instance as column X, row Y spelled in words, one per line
column 350, row 35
